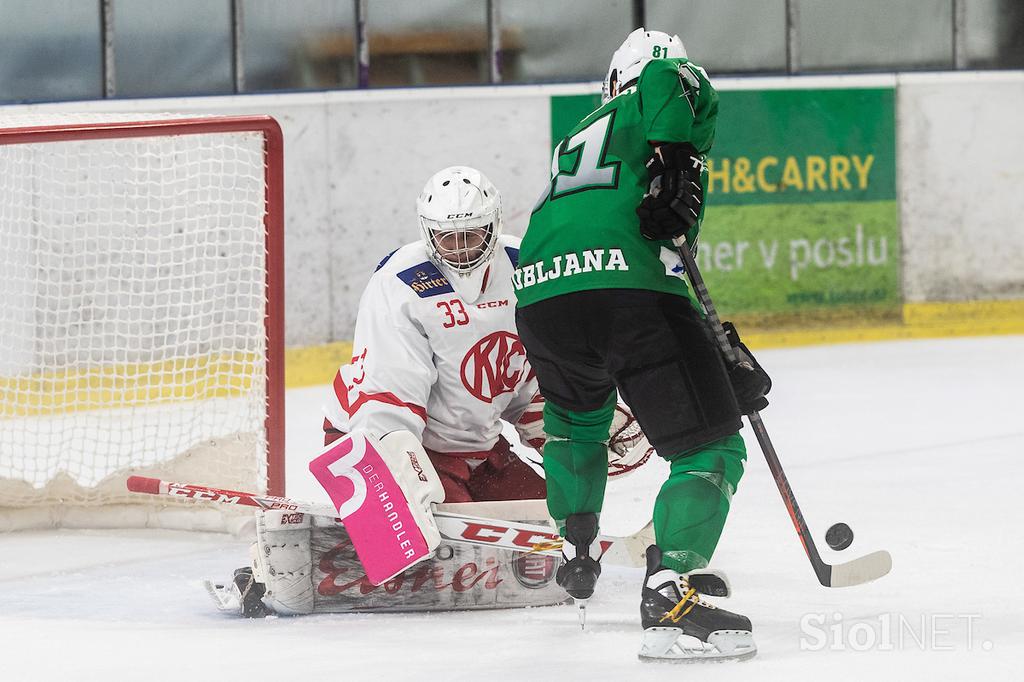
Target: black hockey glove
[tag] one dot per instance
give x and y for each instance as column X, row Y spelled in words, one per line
column 674, row 196
column 749, row 382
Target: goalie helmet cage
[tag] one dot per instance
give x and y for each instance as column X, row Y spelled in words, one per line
column 142, row 325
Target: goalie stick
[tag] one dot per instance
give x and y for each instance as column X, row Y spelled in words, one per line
column 453, row 524
column 861, row 570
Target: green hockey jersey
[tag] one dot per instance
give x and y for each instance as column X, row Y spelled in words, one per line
column 584, row 232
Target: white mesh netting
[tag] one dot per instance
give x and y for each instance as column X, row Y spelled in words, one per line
column 132, row 331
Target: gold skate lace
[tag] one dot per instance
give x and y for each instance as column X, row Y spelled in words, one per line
column 689, row 600
column 546, row 546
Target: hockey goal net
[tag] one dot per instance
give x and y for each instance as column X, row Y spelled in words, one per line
column 141, row 319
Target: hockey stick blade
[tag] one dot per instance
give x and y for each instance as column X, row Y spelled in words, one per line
column 860, row 570
column 453, row 523
column 631, row 550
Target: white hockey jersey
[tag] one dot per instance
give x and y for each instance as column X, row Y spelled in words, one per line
column 427, row 361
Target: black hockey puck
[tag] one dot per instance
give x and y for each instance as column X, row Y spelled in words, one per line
column 839, row 536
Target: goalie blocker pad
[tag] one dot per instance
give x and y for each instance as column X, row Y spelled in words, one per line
column 309, row 565
column 383, row 491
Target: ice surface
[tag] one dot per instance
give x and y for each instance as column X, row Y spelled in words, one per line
column 918, row 445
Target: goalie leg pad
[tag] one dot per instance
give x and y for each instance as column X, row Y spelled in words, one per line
column 459, row 576
column 282, row 561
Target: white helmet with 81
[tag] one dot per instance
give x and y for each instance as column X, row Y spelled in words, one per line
column 639, row 48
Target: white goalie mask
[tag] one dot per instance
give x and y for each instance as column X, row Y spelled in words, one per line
column 640, row 48
column 460, row 218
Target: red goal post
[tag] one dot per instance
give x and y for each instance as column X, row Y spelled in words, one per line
column 142, row 330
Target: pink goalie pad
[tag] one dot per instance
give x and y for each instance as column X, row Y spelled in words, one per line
column 372, row 506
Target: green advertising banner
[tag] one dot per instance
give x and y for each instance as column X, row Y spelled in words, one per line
column 802, row 223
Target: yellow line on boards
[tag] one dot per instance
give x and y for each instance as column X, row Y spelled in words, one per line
column 124, row 385
column 920, row 321
column 317, row 365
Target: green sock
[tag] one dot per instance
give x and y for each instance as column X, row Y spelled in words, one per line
column 576, row 459
column 691, row 508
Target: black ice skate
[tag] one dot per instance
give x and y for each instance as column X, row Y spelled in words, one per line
column 579, row 570
column 250, row 593
column 680, row 626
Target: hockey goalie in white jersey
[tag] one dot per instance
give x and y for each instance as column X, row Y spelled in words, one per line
column 436, row 351
column 436, row 359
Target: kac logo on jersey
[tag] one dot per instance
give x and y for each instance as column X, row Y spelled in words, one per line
column 494, row 366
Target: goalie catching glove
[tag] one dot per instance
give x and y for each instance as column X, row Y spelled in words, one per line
column 674, row 196
column 628, row 448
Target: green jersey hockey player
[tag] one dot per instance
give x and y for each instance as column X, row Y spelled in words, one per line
column 603, row 305
column 583, row 233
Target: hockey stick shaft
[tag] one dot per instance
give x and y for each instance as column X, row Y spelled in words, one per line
column 202, row 493
column 453, row 524
column 878, row 562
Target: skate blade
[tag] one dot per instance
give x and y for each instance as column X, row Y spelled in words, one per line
column 581, row 611
column 671, row 645
column 224, row 596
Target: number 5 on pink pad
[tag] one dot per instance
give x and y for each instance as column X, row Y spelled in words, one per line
column 372, row 505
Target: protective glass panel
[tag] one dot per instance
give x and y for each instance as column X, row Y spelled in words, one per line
column 172, row 48
column 737, row 36
column 300, row 44
column 50, row 50
column 428, row 42
column 995, row 34
column 875, row 35
column 561, row 41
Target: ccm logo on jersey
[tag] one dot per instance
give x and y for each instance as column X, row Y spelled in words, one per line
column 493, row 304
